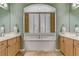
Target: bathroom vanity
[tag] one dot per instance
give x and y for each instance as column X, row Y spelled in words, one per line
column 69, row 44
column 10, row 44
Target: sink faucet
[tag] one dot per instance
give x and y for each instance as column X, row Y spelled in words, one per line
column 76, row 30
column 2, row 30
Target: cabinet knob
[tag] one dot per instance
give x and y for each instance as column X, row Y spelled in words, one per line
column 63, row 40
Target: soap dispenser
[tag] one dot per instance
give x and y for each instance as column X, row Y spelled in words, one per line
column 76, row 30
column 16, row 28
column 63, row 29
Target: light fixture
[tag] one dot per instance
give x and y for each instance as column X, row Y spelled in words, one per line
column 75, row 5
column 3, row 5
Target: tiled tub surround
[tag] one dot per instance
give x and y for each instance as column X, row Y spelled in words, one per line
column 41, row 41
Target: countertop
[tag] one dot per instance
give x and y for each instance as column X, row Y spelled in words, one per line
column 8, row 36
column 70, row 35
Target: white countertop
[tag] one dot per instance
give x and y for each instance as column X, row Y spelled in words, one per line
column 70, row 35
column 8, row 36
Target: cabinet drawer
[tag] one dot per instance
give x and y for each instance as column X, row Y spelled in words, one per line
column 3, row 43
column 12, row 41
column 18, row 38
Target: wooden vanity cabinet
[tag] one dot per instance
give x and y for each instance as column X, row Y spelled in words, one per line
column 66, row 46
column 10, row 47
column 76, row 48
column 3, row 48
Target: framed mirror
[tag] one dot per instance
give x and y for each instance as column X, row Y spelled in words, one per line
column 4, row 19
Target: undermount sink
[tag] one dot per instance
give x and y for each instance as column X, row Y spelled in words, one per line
column 71, row 35
column 8, row 34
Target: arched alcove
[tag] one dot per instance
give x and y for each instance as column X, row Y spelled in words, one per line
column 39, row 8
column 47, row 12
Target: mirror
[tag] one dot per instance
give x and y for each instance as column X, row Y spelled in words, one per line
column 74, row 18
column 4, row 20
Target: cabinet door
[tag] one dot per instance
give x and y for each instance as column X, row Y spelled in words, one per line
column 61, row 44
column 18, row 44
column 12, row 47
column 3, row 48
column 3, row 51
column 68, row 47
column 76, row 48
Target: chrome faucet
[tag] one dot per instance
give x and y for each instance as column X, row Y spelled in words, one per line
column 2, row 30
column 76, row 30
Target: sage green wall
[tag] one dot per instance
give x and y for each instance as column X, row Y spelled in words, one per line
column 16, row 14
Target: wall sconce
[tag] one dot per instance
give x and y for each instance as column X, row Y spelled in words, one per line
column 3, row 5
column 75, row 5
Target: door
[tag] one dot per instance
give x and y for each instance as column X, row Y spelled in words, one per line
column 68, row 44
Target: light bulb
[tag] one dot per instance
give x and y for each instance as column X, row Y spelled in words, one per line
column 5, row 5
